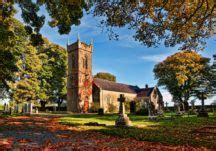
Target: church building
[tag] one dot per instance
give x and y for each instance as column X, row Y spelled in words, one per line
column 83, row 90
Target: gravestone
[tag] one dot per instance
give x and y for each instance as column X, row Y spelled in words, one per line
column 17, row 108
column 133, row 107
column 122, row 120
column 54, row 108
column 178, row 108
column 30, row 106
column 25, row 108
column 36, row 110
column 5, row 108
column 11, row 110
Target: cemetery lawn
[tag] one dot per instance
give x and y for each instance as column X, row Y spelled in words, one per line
column 189, row 131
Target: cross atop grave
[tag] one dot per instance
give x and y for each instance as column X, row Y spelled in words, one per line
column 122, row 119
column 121, row 105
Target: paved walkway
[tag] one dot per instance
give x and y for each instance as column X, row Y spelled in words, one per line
column 45, row 133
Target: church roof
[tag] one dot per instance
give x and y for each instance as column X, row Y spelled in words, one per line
column 145, row 92
column 113, row 86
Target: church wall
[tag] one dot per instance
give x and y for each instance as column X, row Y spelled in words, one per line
column 111, row 97
column 156, row 99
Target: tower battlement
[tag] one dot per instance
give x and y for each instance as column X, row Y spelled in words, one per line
column 79, row 44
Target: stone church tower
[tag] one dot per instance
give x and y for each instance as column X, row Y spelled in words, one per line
column 79, row 81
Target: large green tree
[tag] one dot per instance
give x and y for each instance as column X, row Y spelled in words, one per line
column 26, row 86
column 53, row 74
column 181, row 74
column 12, row 43
column 105, row 76
column 206, row 83
column 21, row 74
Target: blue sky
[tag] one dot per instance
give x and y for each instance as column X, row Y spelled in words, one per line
column 130, row 61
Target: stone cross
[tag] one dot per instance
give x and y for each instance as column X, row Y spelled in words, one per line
column 202, row 102
column 203, row 112
column 121, row 105
column 122, row 119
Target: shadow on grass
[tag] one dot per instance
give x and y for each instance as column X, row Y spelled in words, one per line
column 177, row 131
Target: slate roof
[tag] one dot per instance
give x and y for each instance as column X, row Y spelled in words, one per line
column 145, row 92
column 113, row 86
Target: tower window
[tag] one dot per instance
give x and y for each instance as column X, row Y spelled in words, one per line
column 85, row 62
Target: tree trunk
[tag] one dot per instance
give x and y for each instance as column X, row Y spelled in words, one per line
column 186, row 105
column 59, row 104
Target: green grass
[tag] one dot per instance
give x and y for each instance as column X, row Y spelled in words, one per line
column 178, row 131
column 1, row 107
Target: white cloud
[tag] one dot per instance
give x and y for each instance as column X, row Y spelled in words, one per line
column 167, row 97
column 155, row 58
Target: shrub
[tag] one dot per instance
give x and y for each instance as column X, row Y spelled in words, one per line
column 112, row 108
column 127, row 106
column 94, row 107
column 132, row 107
column 142, row 111
column 100, row 111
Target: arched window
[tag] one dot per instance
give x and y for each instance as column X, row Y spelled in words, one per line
column 108, row 99
column 85, row 62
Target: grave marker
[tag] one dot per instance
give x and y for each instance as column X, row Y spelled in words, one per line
column 122, row 120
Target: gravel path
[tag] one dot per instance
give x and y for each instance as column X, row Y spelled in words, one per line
column 45, row 133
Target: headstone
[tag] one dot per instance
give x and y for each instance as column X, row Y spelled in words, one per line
column 26, row 108
column 5, row 108
column 10, row 110
column 54, row 108
column 17, row 108
column 23, row 108
column 122, row 120
column 178, row 109
column 36, row 110
column 30, row 106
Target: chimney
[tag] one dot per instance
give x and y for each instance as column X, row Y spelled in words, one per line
column 146, row 86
